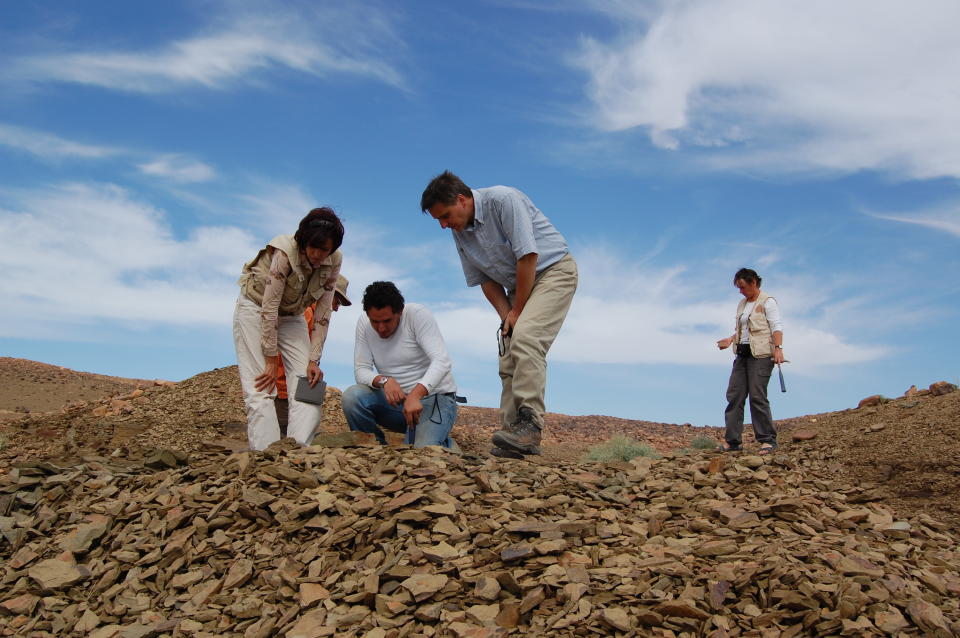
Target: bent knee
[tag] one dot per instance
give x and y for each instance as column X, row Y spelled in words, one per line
column 353, row 395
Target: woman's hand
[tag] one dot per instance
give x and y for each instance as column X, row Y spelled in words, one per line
column 267, row 380
column 314, row 373
column 723, row 344
column 778, row 355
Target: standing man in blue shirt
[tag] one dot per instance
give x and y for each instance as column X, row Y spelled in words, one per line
column 522, row 264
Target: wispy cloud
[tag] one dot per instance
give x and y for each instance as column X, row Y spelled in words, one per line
column 51, row 147
column 783, row 87
column 179, row 168
column 176, row 167
column 945, row 219
column 242, row 48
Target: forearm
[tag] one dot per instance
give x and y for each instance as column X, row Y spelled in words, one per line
column 418, row 392
column 526, row 276
column 497, row 297
column 777, row 338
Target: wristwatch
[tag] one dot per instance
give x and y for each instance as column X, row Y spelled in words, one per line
column 383, row 382
column 778, row 347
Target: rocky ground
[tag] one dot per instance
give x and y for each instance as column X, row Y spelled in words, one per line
column 143, row 515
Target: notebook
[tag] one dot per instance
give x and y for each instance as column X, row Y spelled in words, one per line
column 310, row 395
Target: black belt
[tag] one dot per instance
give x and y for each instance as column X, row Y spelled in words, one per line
column 455, row 396
column 743, row 350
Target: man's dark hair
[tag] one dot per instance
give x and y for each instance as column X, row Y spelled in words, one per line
column 317, row 227
column 749, row 275
column 443, row 189
column 381, row 294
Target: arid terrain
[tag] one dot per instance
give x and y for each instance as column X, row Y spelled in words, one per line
column 132, row 508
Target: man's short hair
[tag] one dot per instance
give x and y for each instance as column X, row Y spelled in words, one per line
column 381, row 294
column 748, row 275
column 443, row 189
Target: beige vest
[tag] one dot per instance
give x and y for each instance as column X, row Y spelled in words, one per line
column 761, row 339
column 302, row 286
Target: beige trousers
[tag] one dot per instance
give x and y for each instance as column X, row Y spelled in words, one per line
column 293, row 341
column 523, row 368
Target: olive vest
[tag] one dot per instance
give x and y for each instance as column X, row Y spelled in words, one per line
column 302, row 287
column 761, row 339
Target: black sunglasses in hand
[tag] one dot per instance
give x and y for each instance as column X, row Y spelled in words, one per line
column 501, row 343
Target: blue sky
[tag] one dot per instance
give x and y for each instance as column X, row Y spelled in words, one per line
column 148, row 149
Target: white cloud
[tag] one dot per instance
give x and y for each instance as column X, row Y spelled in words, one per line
column 81, row 252
column 95, row 252
column 50, row 147
column 945, row 220
column 799, row 86
column 179, row 168
column 319, row 41
column 629, row 312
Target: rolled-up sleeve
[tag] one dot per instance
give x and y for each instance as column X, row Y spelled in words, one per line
column 431, row 341
column 772, row 310
column 364, row 370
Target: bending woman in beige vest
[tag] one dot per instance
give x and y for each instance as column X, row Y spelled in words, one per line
column 758, row 337
column 289, row 274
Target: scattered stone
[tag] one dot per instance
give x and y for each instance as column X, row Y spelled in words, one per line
column 941, row 387
column 56, row 574
column 870, row 401
column 804, row 435
column 617, row 618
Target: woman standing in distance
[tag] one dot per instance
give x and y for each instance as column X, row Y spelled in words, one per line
column 286, row 276
column 758, row 337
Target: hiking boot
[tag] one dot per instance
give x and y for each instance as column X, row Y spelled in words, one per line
column 522, row 436
column 501, row 453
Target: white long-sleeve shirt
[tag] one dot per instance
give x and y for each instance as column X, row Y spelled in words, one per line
column 415, row 353
column 772, row 313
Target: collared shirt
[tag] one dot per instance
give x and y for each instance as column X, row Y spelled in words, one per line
column 506, row 226
column 415, row 353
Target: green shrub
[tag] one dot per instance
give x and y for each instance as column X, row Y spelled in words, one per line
column 620, row 448
column 703, row 443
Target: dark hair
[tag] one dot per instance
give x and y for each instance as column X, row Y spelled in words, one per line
column 317, row 227
column 381, row 294
column 749, row 275
column 443, row 189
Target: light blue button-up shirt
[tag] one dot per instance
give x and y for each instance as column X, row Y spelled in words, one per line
column 506, row 226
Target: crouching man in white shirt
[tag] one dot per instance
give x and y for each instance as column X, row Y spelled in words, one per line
column 403, row 372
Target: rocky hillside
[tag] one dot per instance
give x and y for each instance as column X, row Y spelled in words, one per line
column 143, row 515
column 30, row 386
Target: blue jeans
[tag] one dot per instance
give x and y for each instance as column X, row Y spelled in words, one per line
column 367, row 410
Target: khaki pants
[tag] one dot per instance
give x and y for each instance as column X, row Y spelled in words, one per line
column 523, row 369
column 293, row 342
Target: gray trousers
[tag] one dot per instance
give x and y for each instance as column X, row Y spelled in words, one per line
column 749, row 376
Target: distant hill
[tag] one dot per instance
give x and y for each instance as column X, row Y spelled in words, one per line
column 30, row 386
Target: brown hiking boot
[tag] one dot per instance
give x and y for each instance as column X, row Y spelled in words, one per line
column 522, row 436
